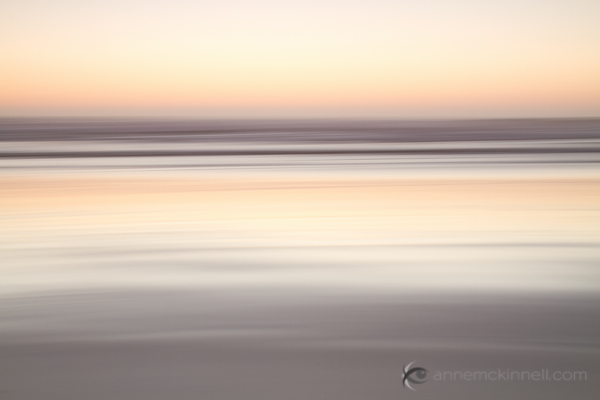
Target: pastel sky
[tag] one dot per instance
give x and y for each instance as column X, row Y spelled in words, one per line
column 311, row 58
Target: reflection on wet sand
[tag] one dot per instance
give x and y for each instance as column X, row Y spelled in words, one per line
column 319, row 222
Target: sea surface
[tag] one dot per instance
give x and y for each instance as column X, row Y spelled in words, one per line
column 181, row 259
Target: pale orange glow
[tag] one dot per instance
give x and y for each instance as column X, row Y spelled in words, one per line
column 464, row 206
column 293, row 60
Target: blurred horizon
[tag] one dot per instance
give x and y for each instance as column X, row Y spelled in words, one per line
column 272, row 200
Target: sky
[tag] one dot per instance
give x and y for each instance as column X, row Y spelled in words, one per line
column 311, row 58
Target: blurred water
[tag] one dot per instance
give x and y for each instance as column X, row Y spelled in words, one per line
column 304, row 259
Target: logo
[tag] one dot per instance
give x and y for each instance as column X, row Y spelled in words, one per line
column 415, row 375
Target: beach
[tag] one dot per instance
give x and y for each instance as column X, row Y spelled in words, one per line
column 222, row 268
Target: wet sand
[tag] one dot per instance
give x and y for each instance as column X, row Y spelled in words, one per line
column 288, row 277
